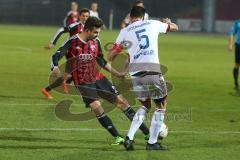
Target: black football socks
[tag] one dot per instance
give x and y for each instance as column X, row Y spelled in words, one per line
column 107, row 123
column 235, row 76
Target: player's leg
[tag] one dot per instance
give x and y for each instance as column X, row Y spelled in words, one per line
column 129, row 112
column 46, row 91
column 159, row 93
column 108, row 92
column 236, row 67
column 156, row 123
column 137, row 121
column 235, row 76
column 67, row 80
column 67, row 77
column 103, row 119
column 90, row 97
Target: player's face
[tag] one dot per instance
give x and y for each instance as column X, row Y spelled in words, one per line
column 92, row 34
column 83, row 17
column 74, row 7
column 94, row 7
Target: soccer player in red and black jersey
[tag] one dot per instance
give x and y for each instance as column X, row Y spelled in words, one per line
column 72, row 29
column 83, row 57
column 105, row 88
column 102, row 86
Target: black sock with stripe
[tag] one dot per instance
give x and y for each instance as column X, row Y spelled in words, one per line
column 107, row 123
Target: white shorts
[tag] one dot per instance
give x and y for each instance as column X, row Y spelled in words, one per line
column 149, row 87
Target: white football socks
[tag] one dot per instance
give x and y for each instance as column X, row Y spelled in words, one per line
column 157, row 121
column 137, row 121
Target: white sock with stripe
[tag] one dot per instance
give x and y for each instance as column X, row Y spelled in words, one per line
column 157, row 121
column 137, row 121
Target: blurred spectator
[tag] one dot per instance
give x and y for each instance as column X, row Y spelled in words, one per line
column 93, row 11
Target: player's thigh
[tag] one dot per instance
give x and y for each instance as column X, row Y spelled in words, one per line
column 106, row 90
column 88, row 93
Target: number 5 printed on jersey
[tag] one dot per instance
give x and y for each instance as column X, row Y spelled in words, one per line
column 143, row 39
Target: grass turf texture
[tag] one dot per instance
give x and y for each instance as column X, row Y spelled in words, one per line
column 203, row 110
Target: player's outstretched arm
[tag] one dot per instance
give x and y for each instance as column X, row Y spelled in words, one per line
column 60, row 53
column 172, row 26
column 230, row 43
column 103, row 63
column 55, row 38
column 117, row 49
column 114, row 72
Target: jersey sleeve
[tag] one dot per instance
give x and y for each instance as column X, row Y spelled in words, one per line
column 233, row 30
column 58, row 34
column 118, row 45
column 73, row 26
column 100, row 58
column 121, row 37
column 160, row 27
column 60, row 53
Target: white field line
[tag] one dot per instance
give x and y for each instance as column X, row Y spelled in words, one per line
column 26, row 49
column 90, row 129
column 28, row 104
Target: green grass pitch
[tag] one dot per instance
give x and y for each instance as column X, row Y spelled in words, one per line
column 203, row 110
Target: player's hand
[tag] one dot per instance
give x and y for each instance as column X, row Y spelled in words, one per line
column 122, row 75
column 166, row 20
column 56, row 72
column 49, row 46
column 230, row 47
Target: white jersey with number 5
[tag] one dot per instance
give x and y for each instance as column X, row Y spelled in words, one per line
column 141, row 38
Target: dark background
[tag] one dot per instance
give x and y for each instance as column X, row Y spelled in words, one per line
column 52, row 12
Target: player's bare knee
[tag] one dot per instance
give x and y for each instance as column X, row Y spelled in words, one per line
column 161, row 103
column 146, row 103
column 121, row 102
column 97, row 108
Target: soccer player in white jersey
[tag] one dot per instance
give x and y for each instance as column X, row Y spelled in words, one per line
column 141, row 40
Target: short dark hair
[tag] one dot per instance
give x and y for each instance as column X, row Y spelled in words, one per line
column 84, row 10
column 138, row 2
column 93, row 22
column 137, row 12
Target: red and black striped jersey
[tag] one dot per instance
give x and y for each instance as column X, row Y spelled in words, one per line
column 75, row 28
column 82, row 59
column 72, row 29
column 71, row 18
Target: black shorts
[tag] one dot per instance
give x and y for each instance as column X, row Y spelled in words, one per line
column 88, row 92
column 106, row 90
column 237, row 53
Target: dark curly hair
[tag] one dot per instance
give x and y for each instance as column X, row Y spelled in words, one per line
column 93, row 22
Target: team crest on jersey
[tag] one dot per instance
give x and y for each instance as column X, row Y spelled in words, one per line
column 92, row 48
